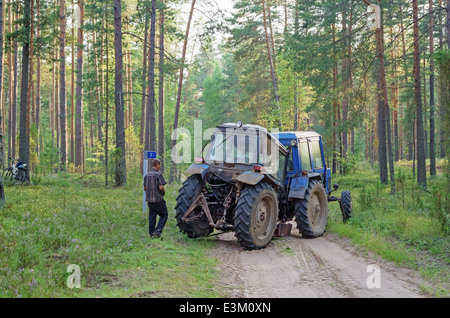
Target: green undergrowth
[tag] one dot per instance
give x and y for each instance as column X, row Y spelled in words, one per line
column 69, row 219
column 409, row 227
column 64, row 219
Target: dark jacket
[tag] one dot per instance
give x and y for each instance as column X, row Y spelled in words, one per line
column 152, row 181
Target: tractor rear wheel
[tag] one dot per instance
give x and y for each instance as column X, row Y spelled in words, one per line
column 256, row 216
column 311, row 214
column 190, row 190
column 346, row 205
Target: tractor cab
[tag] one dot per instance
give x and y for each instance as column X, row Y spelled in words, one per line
column 306, row 156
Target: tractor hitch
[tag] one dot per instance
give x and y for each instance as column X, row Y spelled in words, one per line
column 283, row 229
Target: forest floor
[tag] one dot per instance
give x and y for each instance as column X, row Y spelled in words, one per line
column 66, row 219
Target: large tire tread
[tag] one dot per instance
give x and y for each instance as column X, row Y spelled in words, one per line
column 242, row 219
column 301, row 212
column 346, row 205
column 190, row 189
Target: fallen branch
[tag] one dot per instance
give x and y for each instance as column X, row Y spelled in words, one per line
column 89, row 173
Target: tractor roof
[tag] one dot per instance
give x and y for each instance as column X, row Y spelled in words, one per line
column 255, row 127
column 245, row 127
column 296, row 135
column 278, row 135
column 236, row 125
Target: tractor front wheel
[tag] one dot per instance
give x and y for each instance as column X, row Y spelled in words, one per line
column 311, row 213
column 346, row 205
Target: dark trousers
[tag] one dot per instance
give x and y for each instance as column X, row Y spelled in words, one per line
column 157, row 209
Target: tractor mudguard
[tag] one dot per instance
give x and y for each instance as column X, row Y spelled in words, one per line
column 300, row 184
column 196, row 168
column 250, row 177
column 298, row 188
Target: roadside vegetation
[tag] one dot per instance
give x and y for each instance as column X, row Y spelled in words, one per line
column 65, row 220
column 410, row 227
column 69, row 219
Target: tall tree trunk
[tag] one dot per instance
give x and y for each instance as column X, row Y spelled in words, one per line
column 72, row 97
column 144, row 90
column 38, row 78
column 161, row 105
column 345, row 77
column 130, row 91
column 442, row 105
column 335, row 150
column 271, row 62
column 24, row 139
column 10, row 81
column 387, row 119
column 62, row 84
column 150, row 140
column 52, row 103
column 421, row 168
column 395, row 105
column 56, row 105
column 101, row 96
column 98, row 90
column 1, row 81
column 296, row 36
column 121, row 168
column 390, row 151
column 106, row 99
column 2, row 190
column 448, row 24
column 79, row 93
column 382, row 101
column 409, row 139
column 180, row 87
column 432, row 103
column 30, row 91
column 346, row 72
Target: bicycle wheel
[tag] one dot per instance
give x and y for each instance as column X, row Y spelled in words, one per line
column 7, row 174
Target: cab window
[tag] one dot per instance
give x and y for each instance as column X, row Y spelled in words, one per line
column 281, row 163
column 316, row 154
column 304, row 156
column 290, row 164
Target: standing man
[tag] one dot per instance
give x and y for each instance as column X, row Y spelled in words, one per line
column 154, row 188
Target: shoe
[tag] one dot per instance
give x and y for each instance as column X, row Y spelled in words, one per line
column 157, row 235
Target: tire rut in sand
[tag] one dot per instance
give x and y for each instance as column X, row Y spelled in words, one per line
column 294, row 267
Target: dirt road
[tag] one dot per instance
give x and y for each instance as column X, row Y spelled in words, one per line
column 294, row 267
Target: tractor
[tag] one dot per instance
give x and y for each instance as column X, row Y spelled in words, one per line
column 253, row 182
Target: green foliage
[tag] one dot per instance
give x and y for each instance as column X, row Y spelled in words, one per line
column 213, row 97
column 67, row 220
column 48, row 157
column 410, row 227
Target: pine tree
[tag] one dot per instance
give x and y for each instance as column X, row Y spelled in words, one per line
column 24, row 139
column 421, row 167
column 121, row 167
column 62, row 87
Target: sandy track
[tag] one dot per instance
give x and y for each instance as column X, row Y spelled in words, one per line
column 294, row 267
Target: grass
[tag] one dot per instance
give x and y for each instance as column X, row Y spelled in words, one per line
column 409, row 227
column 64, row 220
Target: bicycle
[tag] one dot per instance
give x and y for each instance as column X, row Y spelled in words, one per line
column 16, row 171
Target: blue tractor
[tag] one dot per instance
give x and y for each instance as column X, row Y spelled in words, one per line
column 253, row 183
